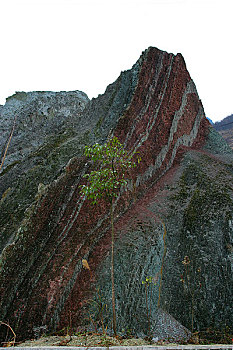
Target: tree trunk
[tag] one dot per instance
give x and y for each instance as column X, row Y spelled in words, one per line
column 112, row 275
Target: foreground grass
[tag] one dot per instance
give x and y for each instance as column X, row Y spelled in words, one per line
column 94, row 339
column 84, row 340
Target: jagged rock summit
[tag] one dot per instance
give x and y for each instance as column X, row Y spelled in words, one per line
column 175, row 226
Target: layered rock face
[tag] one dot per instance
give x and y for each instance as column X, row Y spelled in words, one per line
column 173, row 225
column 225, row 128
column 37, row 131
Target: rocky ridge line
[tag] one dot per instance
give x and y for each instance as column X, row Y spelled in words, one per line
column 154, row 109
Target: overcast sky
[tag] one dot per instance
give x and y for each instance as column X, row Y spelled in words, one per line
column 85, row 44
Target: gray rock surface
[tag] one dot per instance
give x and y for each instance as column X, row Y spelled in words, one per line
column 175, row 226
column 38, row 115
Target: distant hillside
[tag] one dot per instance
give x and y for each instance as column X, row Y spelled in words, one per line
column 225, row 128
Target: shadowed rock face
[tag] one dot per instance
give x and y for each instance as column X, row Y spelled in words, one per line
column 181, row 205
column 225, row 128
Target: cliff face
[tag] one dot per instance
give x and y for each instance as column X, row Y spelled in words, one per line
column 225, row 128
column 181, row 206
column 38, row 136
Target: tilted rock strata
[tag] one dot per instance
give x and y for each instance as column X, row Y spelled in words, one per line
column 38, row 115
column 155, row 110
column 38, row 132
column 225, row 128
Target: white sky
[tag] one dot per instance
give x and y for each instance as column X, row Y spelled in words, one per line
column 85, row 44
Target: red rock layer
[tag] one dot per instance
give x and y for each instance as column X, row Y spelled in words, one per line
column 43, row 282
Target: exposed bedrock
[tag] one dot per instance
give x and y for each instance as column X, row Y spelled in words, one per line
column 175, row 224
column 225, row 128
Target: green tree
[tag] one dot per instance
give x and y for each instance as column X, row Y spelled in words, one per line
column 113, row 164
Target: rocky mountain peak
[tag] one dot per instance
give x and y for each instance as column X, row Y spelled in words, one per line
column 179, row 211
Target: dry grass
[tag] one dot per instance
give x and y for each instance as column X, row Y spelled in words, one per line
column 84, row 340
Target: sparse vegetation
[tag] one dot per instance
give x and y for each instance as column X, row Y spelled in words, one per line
column 113, row 164
column 9, row 341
